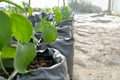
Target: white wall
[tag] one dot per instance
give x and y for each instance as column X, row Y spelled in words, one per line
column 101, row 3
column 116, row 7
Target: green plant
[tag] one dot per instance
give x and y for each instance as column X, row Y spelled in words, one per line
column 66, row 12
column 27, row 8
column 62, row 13
column 58, row 15
column 23, row 52
column 48, row 29
column 19, row 27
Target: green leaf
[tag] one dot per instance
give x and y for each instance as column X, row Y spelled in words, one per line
column 24, row 4
column 8, row 52
column 41, row 28
column 21, row 27
column 66, row 12
column 44, row 24
column 25, row 53
column 5, row 29
column 49, row 33
column 37, row 26
column 30, row 10
column 58, row 15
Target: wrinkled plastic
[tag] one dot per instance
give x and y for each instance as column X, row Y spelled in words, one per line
column 66, row 22
column 65, row 44
column 55, row 72
column 34, row 19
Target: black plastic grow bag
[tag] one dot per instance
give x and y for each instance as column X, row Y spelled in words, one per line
column 66, row 22
column 55, row 72
column 34, row 19
column 65, row 44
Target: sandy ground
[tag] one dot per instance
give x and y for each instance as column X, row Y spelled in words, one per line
column 97, row 47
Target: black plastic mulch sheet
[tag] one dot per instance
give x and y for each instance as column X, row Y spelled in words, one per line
column 55, row 72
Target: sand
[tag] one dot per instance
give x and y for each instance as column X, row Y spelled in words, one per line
column 97, row 47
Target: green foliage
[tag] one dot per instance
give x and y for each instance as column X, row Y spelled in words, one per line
column 8, row 52
column 62, row 13
column 21, row 28
column 49, row 33
column 30, row 10
column 24, row 4
column 25, row 53
column 18, row 26
column 27, row 9
column 5, row 29
column 37, row 26
column 22, row 31
column 66, row 12
column 58, row 15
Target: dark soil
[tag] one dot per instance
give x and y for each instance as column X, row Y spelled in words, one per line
column 39, row 62
column 9, row 70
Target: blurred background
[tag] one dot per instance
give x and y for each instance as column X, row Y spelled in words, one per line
column 90, row 6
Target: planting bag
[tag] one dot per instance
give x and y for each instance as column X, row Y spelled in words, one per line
column 55, row 72
column 34, row 19
column 66, row 22
column 65, row 44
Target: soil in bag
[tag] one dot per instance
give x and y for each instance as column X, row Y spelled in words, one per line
column 9, row 70
column 41, row 60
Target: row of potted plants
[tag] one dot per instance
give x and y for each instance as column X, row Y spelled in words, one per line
column 65, row 40
column 64, row 19
column 27, row 52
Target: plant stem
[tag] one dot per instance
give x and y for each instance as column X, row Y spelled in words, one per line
column 12, row 75
column 3, row 68
column 29, row 3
